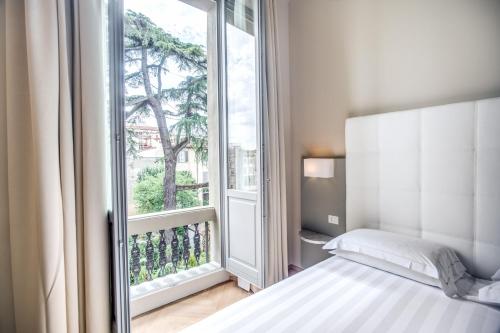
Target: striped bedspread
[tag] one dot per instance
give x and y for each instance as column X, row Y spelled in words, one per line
column 338, row 295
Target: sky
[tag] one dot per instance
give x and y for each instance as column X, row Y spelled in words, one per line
column 190, row 25
column 175, row 17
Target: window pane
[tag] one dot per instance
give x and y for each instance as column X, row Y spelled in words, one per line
column 166, row 105
column 242, row 96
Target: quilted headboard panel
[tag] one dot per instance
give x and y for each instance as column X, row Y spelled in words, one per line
column 432, row 173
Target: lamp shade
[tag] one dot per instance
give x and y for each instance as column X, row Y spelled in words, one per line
column 318, row 167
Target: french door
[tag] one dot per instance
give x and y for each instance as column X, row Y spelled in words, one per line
column 242, row 186
column 217, row 213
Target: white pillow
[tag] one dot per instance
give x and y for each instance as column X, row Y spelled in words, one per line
column 496, row 276
column 490, row 294
column 416, row 255
column 388, row 267
column 409, row 252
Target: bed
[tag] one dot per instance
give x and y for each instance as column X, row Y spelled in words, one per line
column 338, row 295
column 431, row 174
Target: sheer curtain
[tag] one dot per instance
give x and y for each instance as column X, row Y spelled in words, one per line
column 274, row 138
column 53, row 230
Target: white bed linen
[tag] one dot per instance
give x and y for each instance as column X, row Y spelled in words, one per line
column 338, row 295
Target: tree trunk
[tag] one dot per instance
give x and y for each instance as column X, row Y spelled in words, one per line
column 169, row 158
column 169, row 154
column 169, row 187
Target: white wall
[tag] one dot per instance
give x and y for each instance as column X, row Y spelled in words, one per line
column 354, row 57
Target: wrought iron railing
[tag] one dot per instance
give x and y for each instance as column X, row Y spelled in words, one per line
column 167, row 243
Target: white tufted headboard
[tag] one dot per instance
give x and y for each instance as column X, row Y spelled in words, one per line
column 433, row 173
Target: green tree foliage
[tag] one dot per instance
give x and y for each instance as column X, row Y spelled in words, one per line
column 148, row 192
column 149, row 51
column 186, row 198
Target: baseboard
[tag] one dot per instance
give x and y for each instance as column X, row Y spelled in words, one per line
column 295, row 268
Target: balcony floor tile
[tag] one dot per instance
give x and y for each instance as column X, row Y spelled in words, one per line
column 187, row 311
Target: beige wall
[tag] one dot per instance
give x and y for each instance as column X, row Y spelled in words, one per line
column 6, row 309
column 354, row 57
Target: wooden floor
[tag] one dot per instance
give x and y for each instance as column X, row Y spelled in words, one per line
column 178, row 315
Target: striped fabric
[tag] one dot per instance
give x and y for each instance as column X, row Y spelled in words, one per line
column 338, row 295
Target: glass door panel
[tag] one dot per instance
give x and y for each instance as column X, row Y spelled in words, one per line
column 170, row 117
column 166, row 105
column 241, row 96
column 243, row 218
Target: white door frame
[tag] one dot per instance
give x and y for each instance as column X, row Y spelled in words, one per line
column 240, row 268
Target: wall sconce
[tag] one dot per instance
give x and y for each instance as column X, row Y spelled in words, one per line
column 319, row 167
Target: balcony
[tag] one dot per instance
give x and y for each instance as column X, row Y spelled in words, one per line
column 171, row 255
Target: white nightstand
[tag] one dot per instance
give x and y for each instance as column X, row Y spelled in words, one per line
column 311, row 247
column 313, row 237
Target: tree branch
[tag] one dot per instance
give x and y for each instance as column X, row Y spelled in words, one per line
column 136, row 107
column 145, row 73
column 136, row 100
column 191, row 186
column 155, row 105
column 129, row 59
column 158, row 73
column 132, row 75
column 180, row 146
column 158, row 66
column 171, row 114
column 133, row 48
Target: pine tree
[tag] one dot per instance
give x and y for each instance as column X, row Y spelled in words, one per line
column 148, row 51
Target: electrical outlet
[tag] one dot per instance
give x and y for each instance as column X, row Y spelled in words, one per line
column 333, row 219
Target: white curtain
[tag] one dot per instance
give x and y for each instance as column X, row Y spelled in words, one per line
column 274, row 137
column 53, row 230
